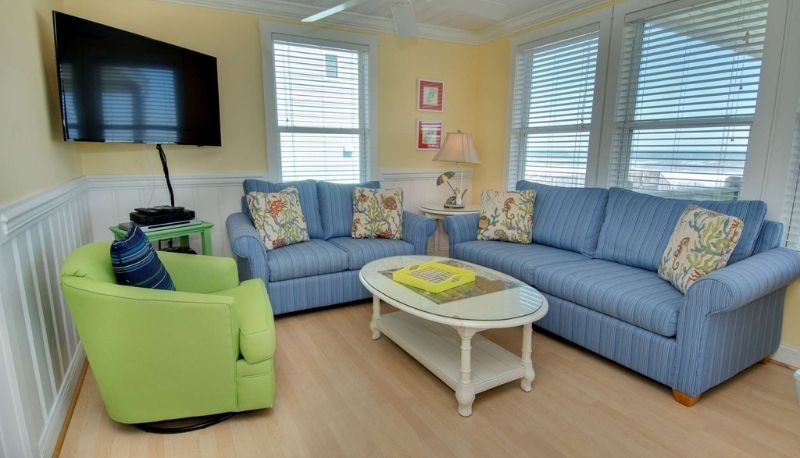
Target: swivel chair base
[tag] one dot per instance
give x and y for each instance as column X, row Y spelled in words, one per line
column 184, row 425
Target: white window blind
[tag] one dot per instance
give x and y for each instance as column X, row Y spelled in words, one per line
column 321, row 109
column 552, row 111
column 688, row 87
column 791, row 203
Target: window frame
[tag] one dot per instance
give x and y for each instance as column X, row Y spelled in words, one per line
column 758, row 152
column 599, row 21
column 269, row 30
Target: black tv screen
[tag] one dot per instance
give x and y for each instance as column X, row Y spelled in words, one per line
column 117, row 86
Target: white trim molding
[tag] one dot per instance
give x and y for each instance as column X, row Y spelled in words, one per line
column 293, row 10
column 40, row 353
column 16, row 216
column 788, row 354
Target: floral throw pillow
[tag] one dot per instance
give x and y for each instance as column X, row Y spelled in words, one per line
column 507, row 216
column 377, row 213
column 278, row 217
column 701, row 243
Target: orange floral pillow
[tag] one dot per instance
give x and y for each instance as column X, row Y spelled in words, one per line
column 377, row 213
column 278, row 217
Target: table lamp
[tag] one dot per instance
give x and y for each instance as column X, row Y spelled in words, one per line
column 458, row 147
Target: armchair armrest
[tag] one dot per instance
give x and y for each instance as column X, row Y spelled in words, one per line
column 256, row 322
column 738, row 284
column 200, row 274
column 461, row 228
column 416, row 230
column 248, row 248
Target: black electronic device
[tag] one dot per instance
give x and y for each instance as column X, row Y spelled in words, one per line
column 117, row 86
column 161, row 215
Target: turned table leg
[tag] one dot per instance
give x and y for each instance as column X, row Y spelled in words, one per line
column 465, row 392
column 376, row 318
column 526, row 360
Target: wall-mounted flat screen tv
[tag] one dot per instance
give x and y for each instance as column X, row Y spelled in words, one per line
column 117, row 86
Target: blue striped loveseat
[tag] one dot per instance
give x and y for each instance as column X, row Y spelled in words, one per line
column 324, row 270
column 595, row 255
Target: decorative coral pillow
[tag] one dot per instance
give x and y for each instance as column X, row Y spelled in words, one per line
column 701, row 243
column 278, row 217
column 507, row 216
column 377, row 213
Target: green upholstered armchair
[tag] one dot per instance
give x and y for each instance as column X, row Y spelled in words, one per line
column 157, row 355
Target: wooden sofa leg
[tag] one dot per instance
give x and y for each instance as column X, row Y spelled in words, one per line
column 684, row 398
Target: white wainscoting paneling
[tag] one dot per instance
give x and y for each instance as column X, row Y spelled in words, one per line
column 215, row 196
column 419, row 186
column 212, row 196
column 40, row 354
column 788, row 354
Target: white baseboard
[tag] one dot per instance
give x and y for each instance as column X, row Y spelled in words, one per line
column 58, row 414
column 788, row 354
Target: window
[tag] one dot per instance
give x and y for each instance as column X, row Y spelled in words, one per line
column 791, row 206
column 552, row 111
column 318, row 113
column 689, row 80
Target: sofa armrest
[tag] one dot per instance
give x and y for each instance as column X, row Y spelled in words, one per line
column 738, row 284
column 461, row 228
column 248, row 248
column 200, row 274
column 416, row 230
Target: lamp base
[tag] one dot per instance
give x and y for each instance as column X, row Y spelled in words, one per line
column 450, row 203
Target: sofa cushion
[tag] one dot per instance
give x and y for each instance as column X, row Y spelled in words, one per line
column 278, row 217
column 336, row 207
column 519, row 261
column 308, row 200
column 638, row 226
column 362, row 251
column 701, row 243
column 306, row 259
column 568, row 218
column 506, row 215
column 377, row 213
column 633, row 295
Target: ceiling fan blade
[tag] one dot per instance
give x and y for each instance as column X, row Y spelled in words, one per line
column 489, row 9
column 333, row 10
column 405, row 19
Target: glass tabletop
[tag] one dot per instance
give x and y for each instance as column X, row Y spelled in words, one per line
column 514, row 300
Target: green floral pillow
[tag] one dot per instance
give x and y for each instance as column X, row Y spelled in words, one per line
column 507, row 216
column 377, row 213
column 701, row 243
column 278, row 217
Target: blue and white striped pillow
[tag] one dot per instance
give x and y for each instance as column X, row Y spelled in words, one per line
column 136, row 263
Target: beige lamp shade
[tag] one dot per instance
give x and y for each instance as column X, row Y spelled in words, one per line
column 458, row 147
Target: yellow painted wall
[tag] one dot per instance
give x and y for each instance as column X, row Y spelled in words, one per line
column 791, row 315
column 235, row 40
column 33, row 156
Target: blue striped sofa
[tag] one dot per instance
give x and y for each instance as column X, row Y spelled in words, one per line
column 324, row 270
column 595, row 256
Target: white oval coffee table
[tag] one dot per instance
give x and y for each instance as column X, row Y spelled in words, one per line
column 423, row 327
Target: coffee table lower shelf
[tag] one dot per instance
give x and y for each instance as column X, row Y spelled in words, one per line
column 437, row 347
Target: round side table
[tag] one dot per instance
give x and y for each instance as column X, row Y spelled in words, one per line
column 438, row 212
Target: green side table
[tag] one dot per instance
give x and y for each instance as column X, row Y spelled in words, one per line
column 182, row 232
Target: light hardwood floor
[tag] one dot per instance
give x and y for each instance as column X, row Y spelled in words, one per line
column 342, row 394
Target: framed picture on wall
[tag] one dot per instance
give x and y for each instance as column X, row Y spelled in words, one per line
column 429, row 135
column 430, row 95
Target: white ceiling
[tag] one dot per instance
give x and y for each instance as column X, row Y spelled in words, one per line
column 438, row 19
